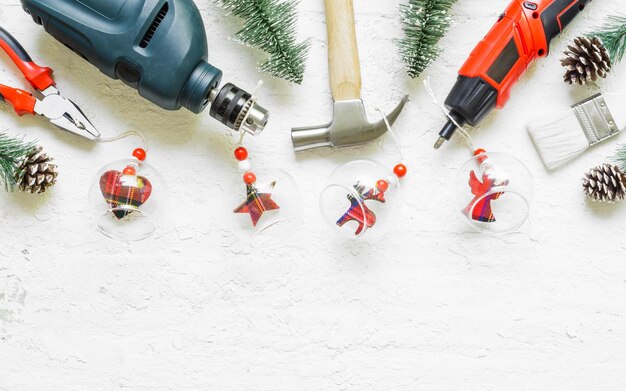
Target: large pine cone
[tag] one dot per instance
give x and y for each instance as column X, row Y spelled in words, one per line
column 36, row 173
column 605, row 183
column 586, row 60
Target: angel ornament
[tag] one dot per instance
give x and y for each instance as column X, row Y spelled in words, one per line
column 485, row 190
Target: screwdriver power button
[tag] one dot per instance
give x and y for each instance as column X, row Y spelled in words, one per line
column 530, row 5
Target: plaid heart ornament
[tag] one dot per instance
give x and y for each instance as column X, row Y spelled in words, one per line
column 121, row 196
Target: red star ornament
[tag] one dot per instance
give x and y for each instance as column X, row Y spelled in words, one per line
column 256, row 204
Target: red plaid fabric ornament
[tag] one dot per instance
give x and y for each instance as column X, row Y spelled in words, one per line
column 122, row 197
column 359, row 211
column 482, row 210
column 256, row 204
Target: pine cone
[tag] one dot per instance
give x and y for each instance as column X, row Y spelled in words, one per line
column 586, row 60
column 605, row 183
column 36, row 173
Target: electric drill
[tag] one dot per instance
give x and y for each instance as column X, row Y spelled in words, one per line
column 523, row 33
column 158, row 47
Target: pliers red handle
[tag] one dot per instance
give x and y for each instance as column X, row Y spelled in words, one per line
column 23, row 101
column 59, row 110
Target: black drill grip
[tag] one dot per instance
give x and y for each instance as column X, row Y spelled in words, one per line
column 558, row 15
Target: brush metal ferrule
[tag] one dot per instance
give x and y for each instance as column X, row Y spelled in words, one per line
column 595, row 119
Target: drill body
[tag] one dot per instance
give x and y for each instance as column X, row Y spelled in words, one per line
column 521, row 34
column 158, row 47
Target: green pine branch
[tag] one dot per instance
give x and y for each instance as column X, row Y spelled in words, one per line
column 424, row 23
column 613, row 36
column 12, row 150
column 269, row 25
column 620, row 157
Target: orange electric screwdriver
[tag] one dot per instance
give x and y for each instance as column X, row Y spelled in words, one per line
column 523, row 33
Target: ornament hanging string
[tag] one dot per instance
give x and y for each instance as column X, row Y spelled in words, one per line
column 399, row 170
column 253, row 99
column 130, row 170
column 256, row 202
column 128, row 133
column 394, row 135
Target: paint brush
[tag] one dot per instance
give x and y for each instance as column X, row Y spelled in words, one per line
column 559, row 138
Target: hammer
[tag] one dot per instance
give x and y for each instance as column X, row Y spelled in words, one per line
column 350, row 125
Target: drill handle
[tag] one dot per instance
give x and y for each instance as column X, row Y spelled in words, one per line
column 343, row 53
column 558, row 15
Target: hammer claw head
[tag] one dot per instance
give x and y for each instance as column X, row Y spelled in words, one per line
column 395, row 113
column 350, row 126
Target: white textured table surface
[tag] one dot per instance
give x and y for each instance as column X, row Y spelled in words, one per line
column 432, row 307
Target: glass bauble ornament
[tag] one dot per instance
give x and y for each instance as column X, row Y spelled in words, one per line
column 127, row 198
column 494, row 191
column 361, row 198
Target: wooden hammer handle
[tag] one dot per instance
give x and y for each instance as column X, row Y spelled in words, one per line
column 343, row 53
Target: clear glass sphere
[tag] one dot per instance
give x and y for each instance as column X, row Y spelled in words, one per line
column 493, row 192
column 361, row 197
column 126, row 199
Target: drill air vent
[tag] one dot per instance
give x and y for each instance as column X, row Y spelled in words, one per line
column 154, row 26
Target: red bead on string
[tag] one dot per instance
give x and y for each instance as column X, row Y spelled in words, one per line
column 400, row 170
column 382, row 185
column 481, row 155
column 249, row 178
column 140, row 154
column 241, row 154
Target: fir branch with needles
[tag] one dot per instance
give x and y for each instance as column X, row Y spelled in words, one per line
column 269, row 25
column 424, row 23
column 620, row 157
column 12, row 150
column 613, row 36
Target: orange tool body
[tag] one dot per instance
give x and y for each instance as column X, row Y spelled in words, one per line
column 521, row 34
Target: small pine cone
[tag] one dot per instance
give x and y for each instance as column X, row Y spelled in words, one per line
column 36, row 173
column 605, row 183
column 586, row 60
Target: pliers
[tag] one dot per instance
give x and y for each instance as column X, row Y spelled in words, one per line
column 49, row 103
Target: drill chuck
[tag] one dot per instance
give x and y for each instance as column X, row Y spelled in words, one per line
column 237, row 109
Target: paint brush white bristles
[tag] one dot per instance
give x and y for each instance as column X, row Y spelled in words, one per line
column 559, row 138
